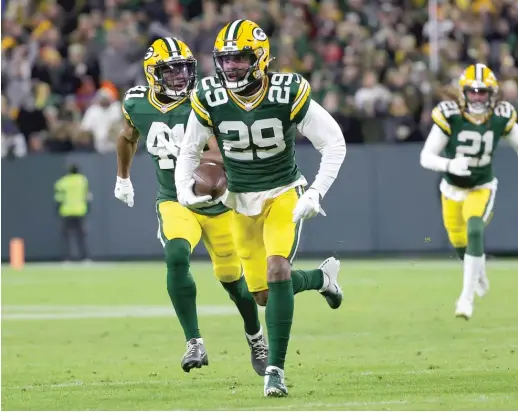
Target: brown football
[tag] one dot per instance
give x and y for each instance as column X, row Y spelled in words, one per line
column 210, row 179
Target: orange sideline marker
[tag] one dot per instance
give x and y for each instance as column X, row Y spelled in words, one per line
column 17, row 253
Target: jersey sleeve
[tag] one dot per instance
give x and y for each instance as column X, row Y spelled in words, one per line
column 199, row 105
column 300, row 98
column 127, row 107
column 442, row 113
column 506, row 112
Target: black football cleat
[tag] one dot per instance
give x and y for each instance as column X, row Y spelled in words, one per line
column 195, row 356
column 258, row 354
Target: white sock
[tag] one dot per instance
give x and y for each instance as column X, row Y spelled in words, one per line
column 483, row 265
column 257, row 335
column 199, row 340
column 472, row 267
column 325, row 282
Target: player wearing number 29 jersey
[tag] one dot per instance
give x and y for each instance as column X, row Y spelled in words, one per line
column 159, row 112
column 468, row 132
column 255, row 116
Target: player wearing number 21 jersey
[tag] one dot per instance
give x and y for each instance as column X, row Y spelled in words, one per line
column 159, row 112
column 254, row 116
column 467, row 133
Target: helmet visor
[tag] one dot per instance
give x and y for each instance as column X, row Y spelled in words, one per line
column 478, row 99
column 175, row 76
column 236, row 66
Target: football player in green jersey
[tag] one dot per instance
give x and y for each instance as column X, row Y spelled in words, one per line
column 159, row 112
column 467, row 133
column 254, row 116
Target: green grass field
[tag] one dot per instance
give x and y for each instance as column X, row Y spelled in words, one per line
column 104, row 337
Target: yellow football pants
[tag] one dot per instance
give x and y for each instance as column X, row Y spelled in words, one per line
column 479, row 203
column 178, row 222
column 272, row 233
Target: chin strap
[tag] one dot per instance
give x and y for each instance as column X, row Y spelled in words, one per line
column 249, row 92
column 477, row 118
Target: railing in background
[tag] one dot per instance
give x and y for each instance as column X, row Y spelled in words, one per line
column 382, row 202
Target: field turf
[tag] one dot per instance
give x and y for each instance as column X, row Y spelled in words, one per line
column 104, row 337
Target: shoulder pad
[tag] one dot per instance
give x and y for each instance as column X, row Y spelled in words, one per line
column 507, row 112
column 207, row 93
column 299, row 92
column 131, row 99
column 443, row 112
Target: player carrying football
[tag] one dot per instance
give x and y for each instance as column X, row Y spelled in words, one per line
column 468, row 132
column 159, row 112
column 255, row 116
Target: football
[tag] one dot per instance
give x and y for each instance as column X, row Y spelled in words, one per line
column 209, row 179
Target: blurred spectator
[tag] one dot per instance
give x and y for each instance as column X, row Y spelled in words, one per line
column 13, row 142
column 400, row 125
column 120, row 60
column 510, row 92
column 32, row 123
column 372, row 97
column 350, row 125
column 100, row 119
column 368, row 61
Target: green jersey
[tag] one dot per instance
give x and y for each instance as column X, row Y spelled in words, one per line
column 475, row 141
column 163, row 126
column 257, row 137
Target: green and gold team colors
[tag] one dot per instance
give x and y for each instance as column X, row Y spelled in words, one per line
column 163, row 128
column 476, row 141
column 256, row 138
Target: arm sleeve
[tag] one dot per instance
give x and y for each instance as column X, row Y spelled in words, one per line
column 127, row 115
column 434, row 145
column 127, row 108
column 195, row 139
column 325, row 134
column 512, row 137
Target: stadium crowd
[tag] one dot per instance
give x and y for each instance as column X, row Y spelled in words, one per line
column 66, row 63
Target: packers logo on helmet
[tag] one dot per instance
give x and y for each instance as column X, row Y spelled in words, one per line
column 170, row 67
column 241, row 54
column 478, row 89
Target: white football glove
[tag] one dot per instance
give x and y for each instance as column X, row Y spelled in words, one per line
column 124, row 191
column 308, row 206
column 458, row 166
column 186, row 197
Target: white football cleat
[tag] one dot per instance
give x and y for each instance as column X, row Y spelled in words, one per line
column 274, row 384
column 464, row 308
column 330, row 288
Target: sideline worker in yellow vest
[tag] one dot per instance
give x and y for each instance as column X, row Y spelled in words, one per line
column 72, row 197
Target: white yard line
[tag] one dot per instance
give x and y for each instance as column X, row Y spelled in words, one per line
column 108, row 383
column 35, row 312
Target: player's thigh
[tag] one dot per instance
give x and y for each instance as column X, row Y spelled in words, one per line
column 480, row 203
column 454, row 223
column 217, row 237
column 248, row 239
column 281, row 234
column 177, row 222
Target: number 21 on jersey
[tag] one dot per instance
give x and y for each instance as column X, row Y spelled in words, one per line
column 470, row 145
